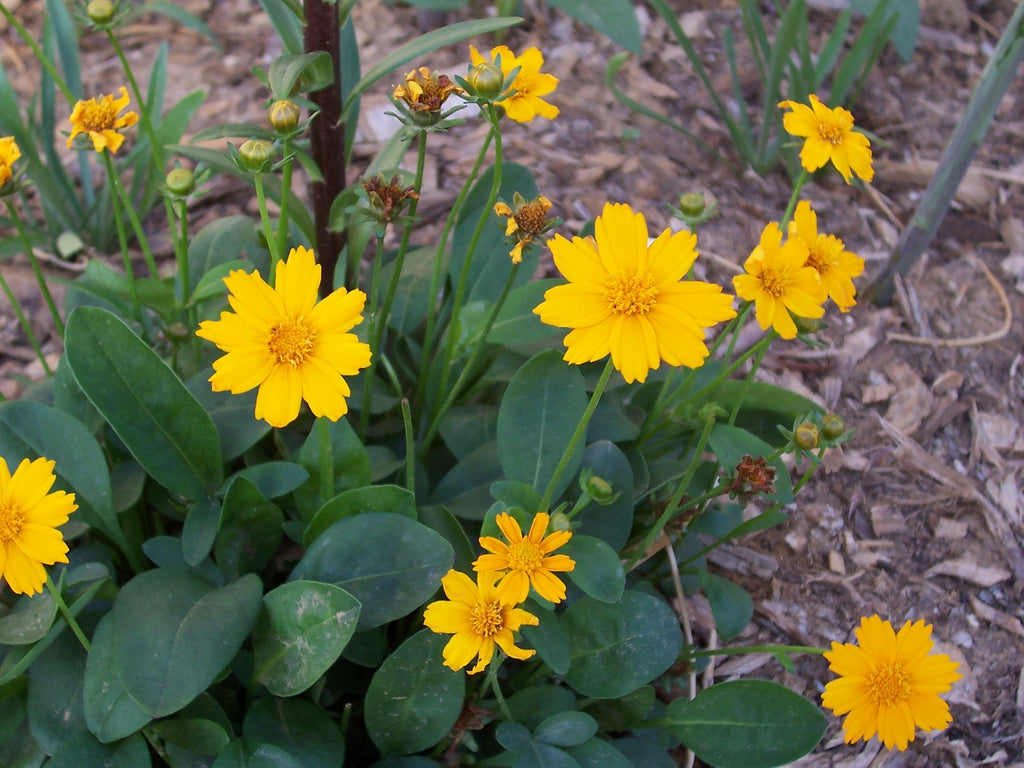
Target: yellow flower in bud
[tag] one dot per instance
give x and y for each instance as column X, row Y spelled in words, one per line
column 523, row 101
column 9, row 153
column 100, row 11
column 283, row 115
column 828, row 135
column 98, row 119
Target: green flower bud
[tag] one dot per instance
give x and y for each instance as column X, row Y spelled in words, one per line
column 832, row 426
column 600, row 490
column 560, row 522
column 806, row 435
column 486, row 80
column 100, row 11
column 178, row 332
column 256, row 155
column 807, row 324
column 180, row 181
column 283, row 115
column 692, row 204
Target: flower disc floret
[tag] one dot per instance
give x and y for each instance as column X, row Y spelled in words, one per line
column 828, row 136
column 889, row 683
column 286, row 343
column 98, row 119
column 526, row 560
column 522, row 101
column 479, row 618
column 628, row 299
column 30, row 517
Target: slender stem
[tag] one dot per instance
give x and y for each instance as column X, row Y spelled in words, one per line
column 25, row 325
column 181, row 252
column 122, row 239
column 762, row 348
column 410, row 448
column 63, row 608
column 268, row 233
column 793, row 198
column 37, row 271
column 326, row 458
column 467, row 370
column 129, row 208
column 43, row 59
column 286, row 186
column 492, row 680
column 772, row 649
column 581, row 430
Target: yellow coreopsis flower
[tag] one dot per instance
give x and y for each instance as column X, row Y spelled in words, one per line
column 836, row 267
column 98, row 119
column 889, row 683
column 628, row 299
column 479, row 618
column 526, row 560
column 828, row 135
column 29, row 519
column 9, row 153
column 283, row 341
column 779, row 281
column 523, row 101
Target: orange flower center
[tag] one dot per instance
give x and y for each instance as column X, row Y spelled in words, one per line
column 488, row 619
column 832, row 133
column 775, row 283
column 525, row 556
column 532, row 217
column 97, row 116
column 291, row 342
column 11, row 520
column 888, row 684
column 631, row 294
column 818, row 259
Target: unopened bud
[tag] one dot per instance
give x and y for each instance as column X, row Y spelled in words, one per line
column 283, row 115
column 807, row 324
column 692, row 204
column 180, row 181
column 256, row 154
column 486, row 80
column 832, row 426
column 560, row 522
column 178, row 332
column 600, row 490
column 100, row 11
column 806, row 435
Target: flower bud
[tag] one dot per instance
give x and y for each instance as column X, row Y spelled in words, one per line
column 283, row 115
column 256, row 154
column 806, row 435
column 486, row 80
column 692, row 204
column 178, row 332
column 560, row 522
column 100, row 11
column 180, row 181
column 832, row 426
column 807, row 324
column 599, row 489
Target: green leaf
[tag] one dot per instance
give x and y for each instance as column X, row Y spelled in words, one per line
column 301, row 728
column 144, row 401
column 85, row 750
column 610, row 522
column 390, row 563
column 301, row 632
column 197, row 735
column 623, row 713
column 730, row 604
column 223, row 241
column 615, row 18
column 250, row 530
column 466, row 489
column 352, row 468
column 413, row 699
column 532, row 706
column 372, row 498
column 747, row 724
column 274, row 478
column 177, row 13
column 255, row 754
column 531, row 753
column 111, row 711
column 174, row 633
column 566, row 729
column 233, row 417
column 549, row 640
column 200, row 530
column 764, row 407
column 55, row 705
column 29, row 620
column 287, row 70
column 517, row 323
column 597, row 753
column 598, row 570
column 466, row 427
column 619, row 647
column 539, row 412
column 412, row 297
column 287, row 23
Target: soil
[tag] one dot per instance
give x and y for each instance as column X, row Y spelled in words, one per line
column 920, row 516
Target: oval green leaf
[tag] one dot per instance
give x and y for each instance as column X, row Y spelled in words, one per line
column 598, row 570
column 301, row 728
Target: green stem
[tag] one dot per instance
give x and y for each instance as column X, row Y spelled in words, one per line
column 581, row 430
column 30, row 41
column 36, row 270
column 129, row 208
column 793, row 198
column 467, row 370
column 268, row 234
column 775, row 650
column 63, row 608
column 181, row 251
column 326, row 458
column 122, row 239
column 762, row 348
column 492, row 680
column 286, row 186
column 371, row 312
column 25, row 325
column 410, row 448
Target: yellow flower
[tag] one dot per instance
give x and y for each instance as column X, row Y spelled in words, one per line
column 98, row 119
column 836, row 267
column 889, row 683
column 281, row 340
column 523, row 101
column 627, row 298
column 526, row 560
column 779, row 281
column 526, row 221
column 9, row 152
column 29, row 518
column 479, row 618
column 828, row 135
column 425, row 91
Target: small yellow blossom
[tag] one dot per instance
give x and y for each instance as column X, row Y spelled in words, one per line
column 29, row 520
column 526, row 560
column 523, row 101
column 479, row 618
column 628, row 299
column 286, row 343
column 9, row 153
column 526, row 221
column 98, row 119
column 836, row 266
column 779, row 281
column 889, row 683
column 828, row 135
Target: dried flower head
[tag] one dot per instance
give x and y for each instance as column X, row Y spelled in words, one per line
column 98, row 119
column 387, row 197
column 424, row 94
column 526, row 221
column 754, row 476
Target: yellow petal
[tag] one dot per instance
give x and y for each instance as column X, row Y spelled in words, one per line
column 460, row 650
column 509, row 526
column 279, row 396
column 323, row 389
column 670, row 256
column 548, row 586
column 297, row 282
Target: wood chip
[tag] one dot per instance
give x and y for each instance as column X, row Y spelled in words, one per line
column 997, row 617
column 885, row 520
column 967, row 568
column 948, row 528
